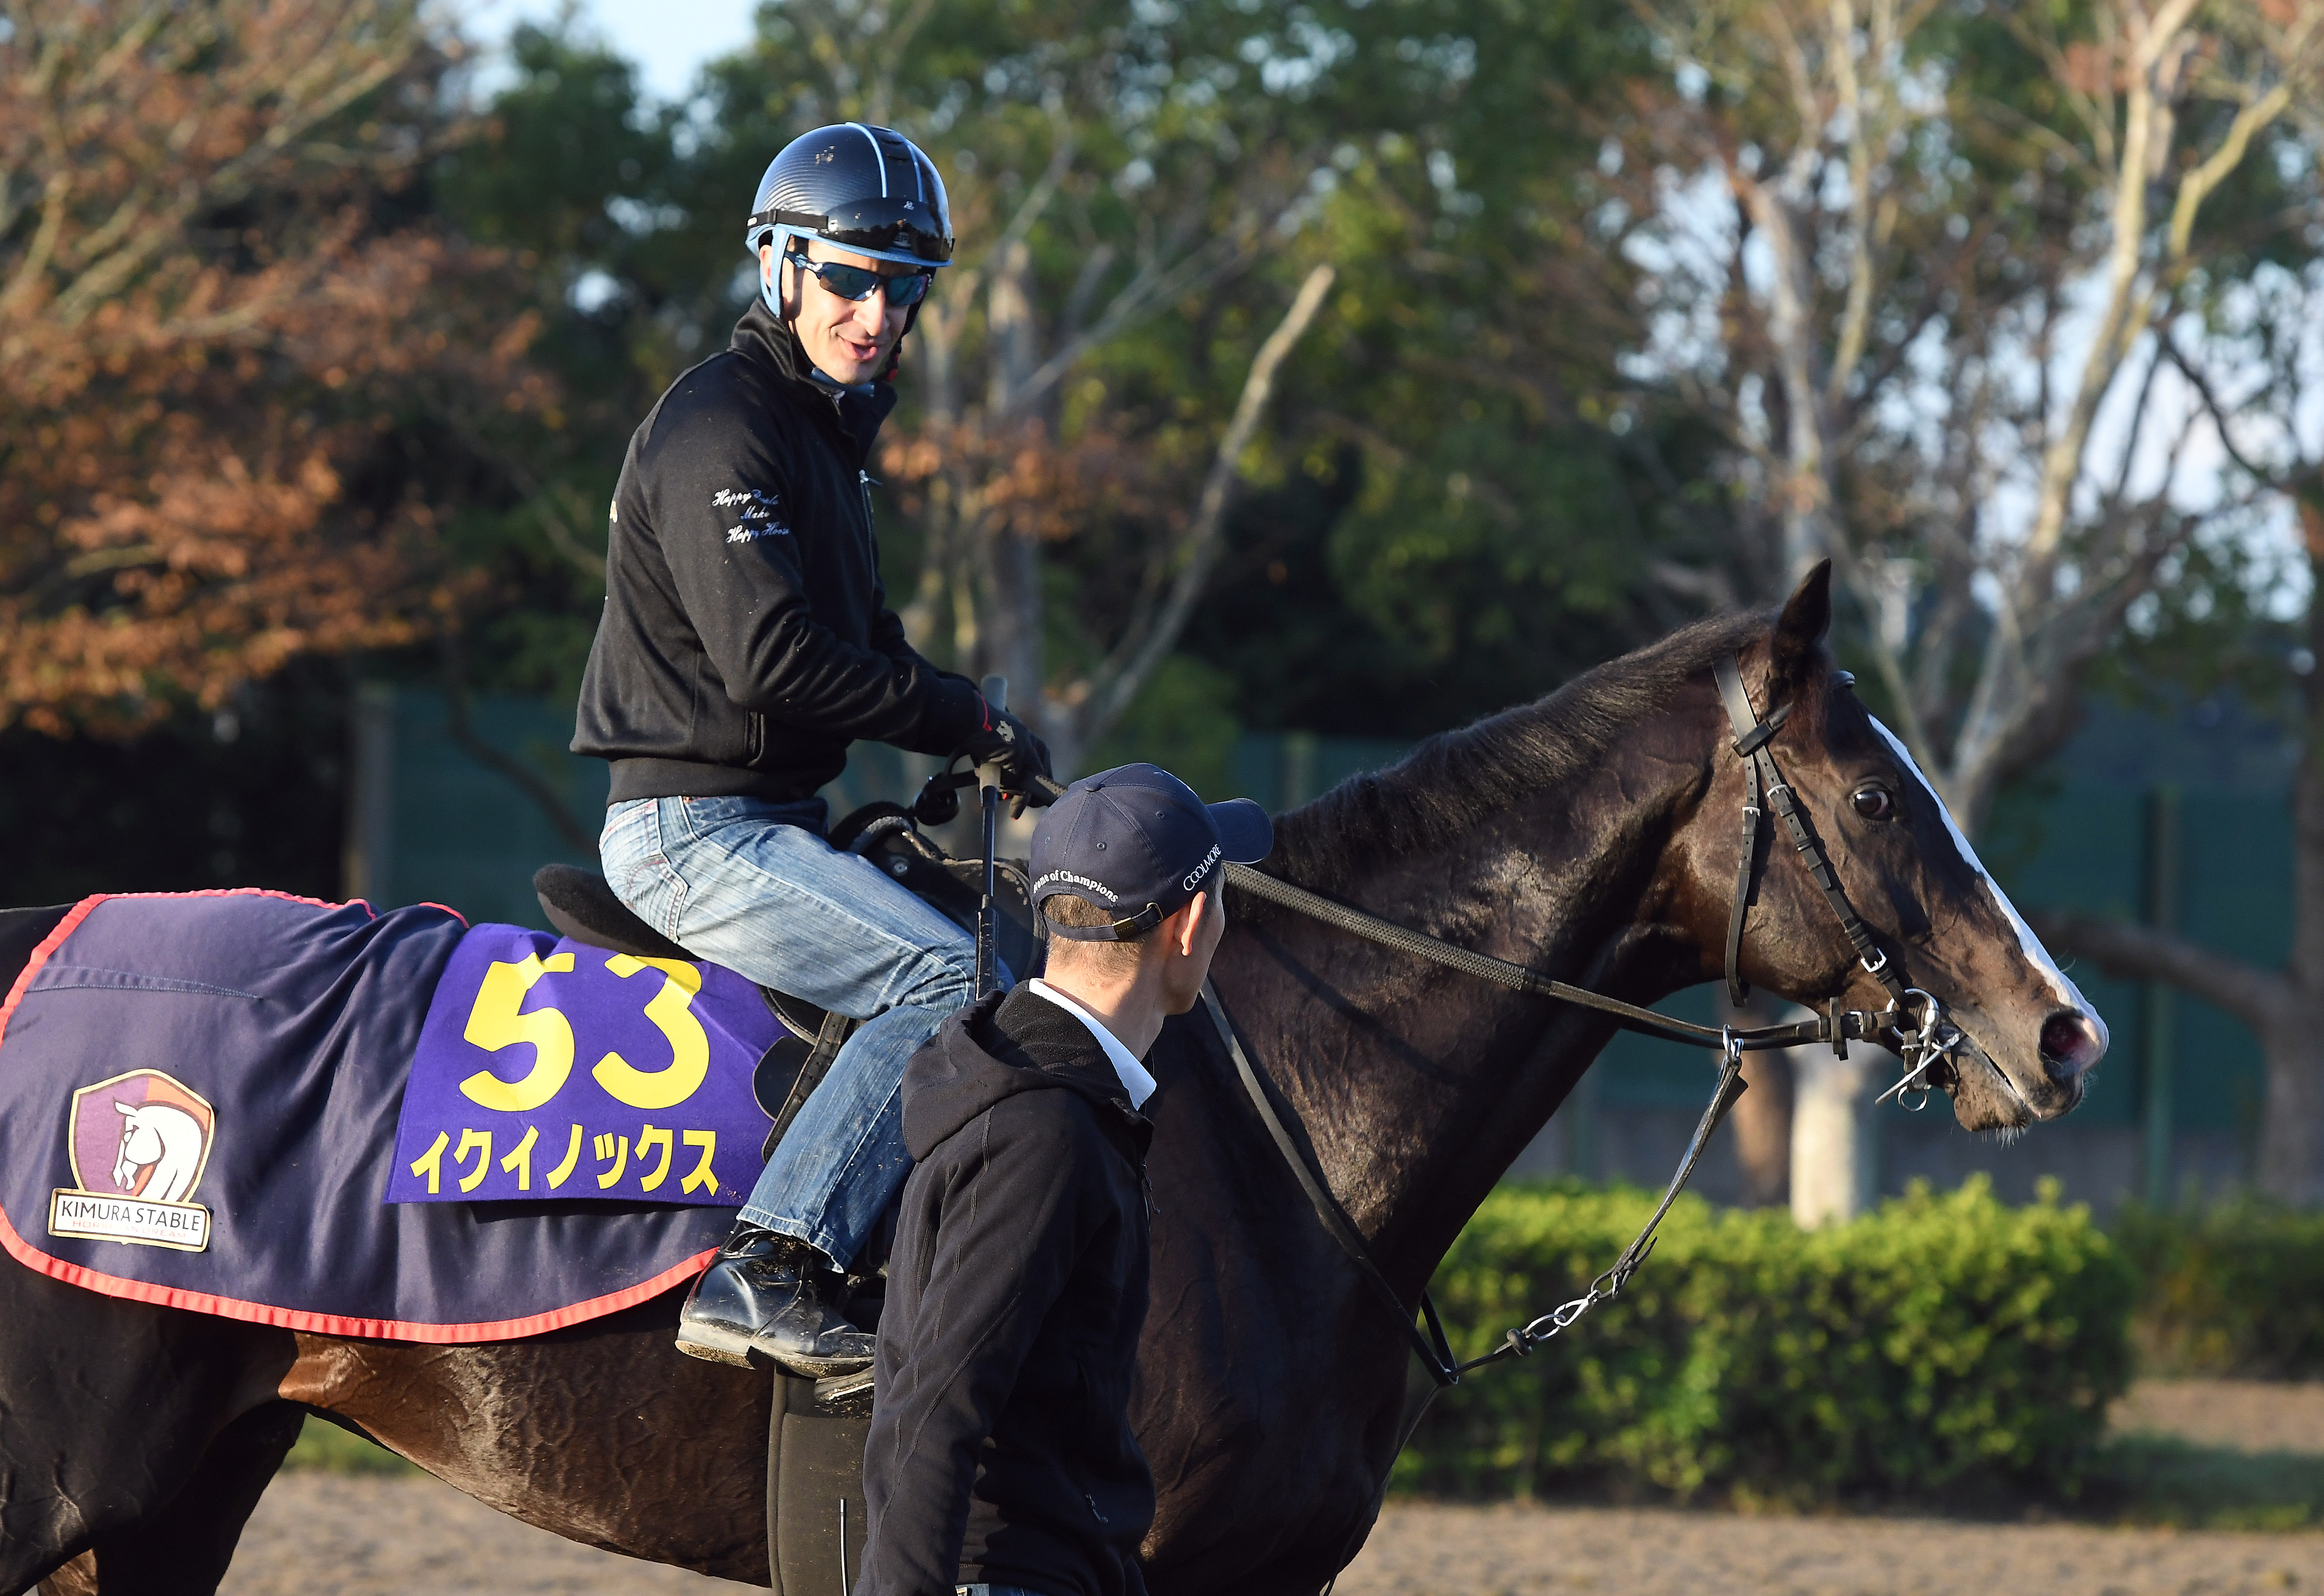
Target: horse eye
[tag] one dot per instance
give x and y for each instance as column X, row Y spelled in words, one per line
column 1874, row 803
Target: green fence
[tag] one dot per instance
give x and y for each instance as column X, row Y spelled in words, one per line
column 432, row 820
column 2214, row 865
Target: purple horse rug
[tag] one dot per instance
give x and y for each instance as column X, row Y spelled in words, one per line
column 313, row 1115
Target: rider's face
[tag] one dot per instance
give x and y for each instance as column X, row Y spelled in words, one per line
column 849, row 340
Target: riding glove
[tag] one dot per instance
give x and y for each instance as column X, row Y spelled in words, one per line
column 1011, row 747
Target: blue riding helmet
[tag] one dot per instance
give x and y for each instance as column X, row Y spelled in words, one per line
column 865, row 188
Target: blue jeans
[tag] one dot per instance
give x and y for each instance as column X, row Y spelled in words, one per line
column 753, row 885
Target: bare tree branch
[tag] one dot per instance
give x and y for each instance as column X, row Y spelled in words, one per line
column 522, row 776
column 2144, row 953
column 1133, row 660
column 1148, row 292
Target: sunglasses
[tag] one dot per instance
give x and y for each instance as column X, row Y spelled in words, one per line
column 860, row 283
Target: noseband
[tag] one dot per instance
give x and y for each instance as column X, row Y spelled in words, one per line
column 1920, row 1047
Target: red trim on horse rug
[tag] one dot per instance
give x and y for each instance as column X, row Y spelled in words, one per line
column 281, row 1027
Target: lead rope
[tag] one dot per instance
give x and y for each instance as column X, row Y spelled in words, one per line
column 1434, row 1349
column 1846, row 1025
column 1921, row 1049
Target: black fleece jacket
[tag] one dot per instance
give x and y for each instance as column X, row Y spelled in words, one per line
column 746, row 639
column 1001, row 1451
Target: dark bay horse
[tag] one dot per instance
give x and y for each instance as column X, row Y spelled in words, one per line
column 1593, row 835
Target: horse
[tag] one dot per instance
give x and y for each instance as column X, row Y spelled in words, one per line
column 161, row 1151
column 1592, row 835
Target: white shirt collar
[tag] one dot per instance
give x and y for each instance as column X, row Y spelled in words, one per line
column 1135, row 1080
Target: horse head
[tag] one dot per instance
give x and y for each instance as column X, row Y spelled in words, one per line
column 2028, row 1037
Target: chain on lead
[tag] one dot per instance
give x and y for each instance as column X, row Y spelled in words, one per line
column 1524, row 1340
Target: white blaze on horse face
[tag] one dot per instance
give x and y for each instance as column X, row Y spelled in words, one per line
column 2062, row 986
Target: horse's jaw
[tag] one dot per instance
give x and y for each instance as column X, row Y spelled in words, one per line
column 1987, row 1096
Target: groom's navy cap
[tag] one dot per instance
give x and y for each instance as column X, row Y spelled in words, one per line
column 1136, row 842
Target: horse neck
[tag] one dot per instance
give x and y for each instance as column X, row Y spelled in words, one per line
column 1417, row 1086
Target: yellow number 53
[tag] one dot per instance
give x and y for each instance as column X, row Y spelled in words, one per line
column 495, row 1022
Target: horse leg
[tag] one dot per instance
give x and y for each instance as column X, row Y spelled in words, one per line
column 185, row 1546
column 109, row 1412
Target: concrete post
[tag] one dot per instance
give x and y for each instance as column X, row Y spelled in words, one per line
column 1833, row 1165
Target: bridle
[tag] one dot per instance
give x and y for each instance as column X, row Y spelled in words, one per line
column 1922, row 1047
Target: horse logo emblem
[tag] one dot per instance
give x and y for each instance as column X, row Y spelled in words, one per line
column 139, row 1143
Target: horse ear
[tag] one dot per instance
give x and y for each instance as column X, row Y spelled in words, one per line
column 127, row 1112
column 1799, row 629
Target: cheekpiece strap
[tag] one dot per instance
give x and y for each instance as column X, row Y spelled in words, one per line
column 1751, row 738
column 1738, row 989
column 1751, row 734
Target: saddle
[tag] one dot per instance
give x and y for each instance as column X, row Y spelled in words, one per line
column 581, row 905
column 816, row 1516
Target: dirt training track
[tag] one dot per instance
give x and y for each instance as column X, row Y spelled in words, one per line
column 368, row 1536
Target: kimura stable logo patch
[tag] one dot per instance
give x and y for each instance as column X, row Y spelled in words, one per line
column 755, row 512
column 139, row 1143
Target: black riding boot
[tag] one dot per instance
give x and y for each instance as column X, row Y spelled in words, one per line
column 762, row 1294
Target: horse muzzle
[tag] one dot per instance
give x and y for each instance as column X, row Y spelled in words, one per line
column 1992, row 1092
column 2072, row 1045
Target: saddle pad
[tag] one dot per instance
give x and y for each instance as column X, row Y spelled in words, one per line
column 592, row 1076
column 199, row 1102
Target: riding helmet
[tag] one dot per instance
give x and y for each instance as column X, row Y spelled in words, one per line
column 866, row 188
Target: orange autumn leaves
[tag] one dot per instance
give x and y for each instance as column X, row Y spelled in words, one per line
column 222, row 353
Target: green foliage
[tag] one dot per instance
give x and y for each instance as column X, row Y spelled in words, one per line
column 323, row 1445
column 1182, row 720
column 2235, row 1289
column 1946, row 1343
column 1481, row 537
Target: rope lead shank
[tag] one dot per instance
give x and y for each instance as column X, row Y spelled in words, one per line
column 1921, row 1049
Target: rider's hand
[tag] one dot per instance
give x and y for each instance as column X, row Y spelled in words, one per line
column 1011, row 747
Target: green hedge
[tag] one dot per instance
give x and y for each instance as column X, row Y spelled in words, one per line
column 1945, row 1343
column 2234, row 1289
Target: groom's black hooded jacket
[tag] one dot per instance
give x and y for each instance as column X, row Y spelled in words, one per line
column 1001, row 1451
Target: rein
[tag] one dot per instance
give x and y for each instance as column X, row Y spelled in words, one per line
column 1921, row 1048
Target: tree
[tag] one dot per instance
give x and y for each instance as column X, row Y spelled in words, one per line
column 1141, row 200
column 2258, row 380
column 1915, row 264
column 1497, row 490
column 222, row 331
column 1103, row 171
column 1919, row 259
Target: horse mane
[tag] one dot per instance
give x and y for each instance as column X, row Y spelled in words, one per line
column 1453, row 781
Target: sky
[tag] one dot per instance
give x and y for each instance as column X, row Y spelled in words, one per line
column 668, row 38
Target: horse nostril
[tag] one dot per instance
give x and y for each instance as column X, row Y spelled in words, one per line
column 2070, row 1045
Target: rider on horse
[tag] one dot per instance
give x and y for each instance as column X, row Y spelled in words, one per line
column 746, row 641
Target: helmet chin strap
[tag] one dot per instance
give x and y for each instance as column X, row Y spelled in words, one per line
column 785, row 307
